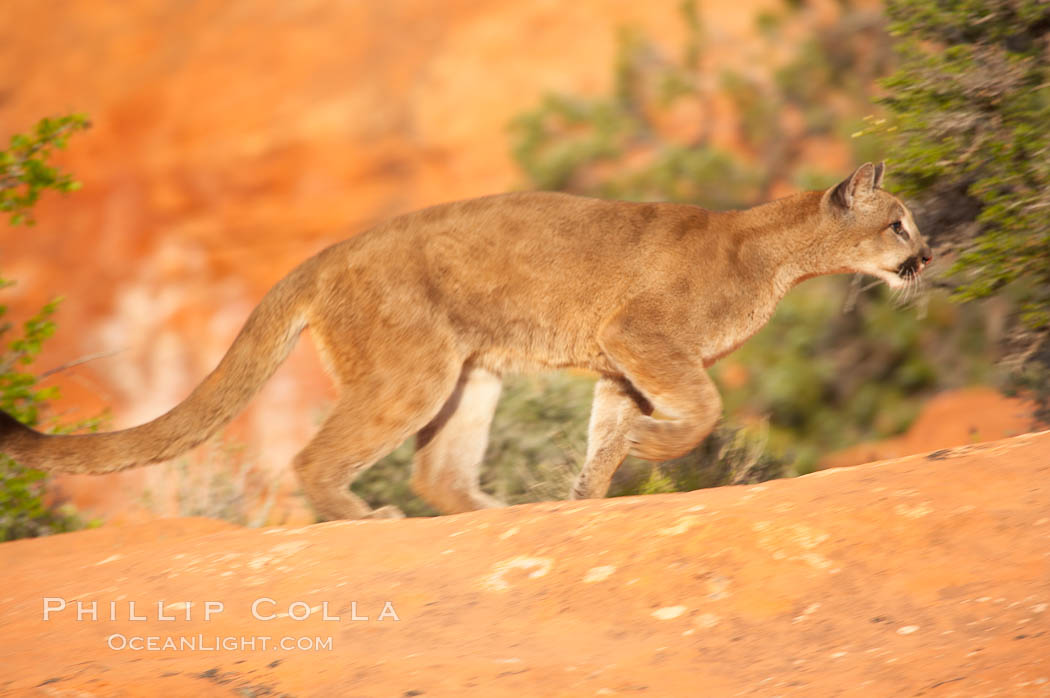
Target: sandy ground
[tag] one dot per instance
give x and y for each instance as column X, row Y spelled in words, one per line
column 926, row 575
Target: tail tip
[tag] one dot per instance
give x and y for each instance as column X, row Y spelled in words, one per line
column 13, row 434
column 9, row 425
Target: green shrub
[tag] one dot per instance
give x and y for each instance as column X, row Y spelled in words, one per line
column 24, row 174
column 24, row 168
column 971, row 105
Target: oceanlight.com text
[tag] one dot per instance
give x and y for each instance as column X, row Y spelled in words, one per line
column 217, row 643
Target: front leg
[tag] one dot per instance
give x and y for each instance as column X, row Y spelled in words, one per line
column 671, row 379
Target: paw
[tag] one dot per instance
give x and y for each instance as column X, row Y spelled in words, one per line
column 663, row 439
column 582, row 490
column 387, row 512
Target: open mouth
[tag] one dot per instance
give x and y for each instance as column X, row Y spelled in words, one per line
column 910, row 268
column 905, row 275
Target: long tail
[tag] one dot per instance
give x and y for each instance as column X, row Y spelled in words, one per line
column 264, row 342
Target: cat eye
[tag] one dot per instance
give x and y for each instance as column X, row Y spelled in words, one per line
column 898, row 228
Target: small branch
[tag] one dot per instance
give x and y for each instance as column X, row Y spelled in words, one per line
column 77, row 362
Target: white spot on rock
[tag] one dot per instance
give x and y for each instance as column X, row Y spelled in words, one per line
column 598, row 574
column 288, row 548
column 681, row 526
column 907, row 629
column 259, row 562
column 539, row 566
column 668, row 612
column 812, row 608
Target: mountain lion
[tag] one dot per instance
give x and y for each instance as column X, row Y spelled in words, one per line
column 418, row 318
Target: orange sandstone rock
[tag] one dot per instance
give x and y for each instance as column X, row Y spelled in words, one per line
column 953, row 418
column 926, row 575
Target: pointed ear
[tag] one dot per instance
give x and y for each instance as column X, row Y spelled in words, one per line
column 880, row 172
column 858, row 185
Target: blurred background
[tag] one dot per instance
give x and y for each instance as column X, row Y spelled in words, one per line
column 230, row 140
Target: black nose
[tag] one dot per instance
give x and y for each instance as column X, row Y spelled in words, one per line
column 926, row 254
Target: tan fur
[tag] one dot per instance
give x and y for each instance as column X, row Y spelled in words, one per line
column 419, row 317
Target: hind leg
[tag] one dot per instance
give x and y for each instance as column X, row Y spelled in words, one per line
column 450, row 449
column 332, row 460
column 369, row 421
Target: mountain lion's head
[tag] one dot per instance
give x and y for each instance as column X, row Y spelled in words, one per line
column 881, row 235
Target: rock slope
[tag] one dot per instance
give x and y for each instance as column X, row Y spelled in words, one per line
column 926, row 575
